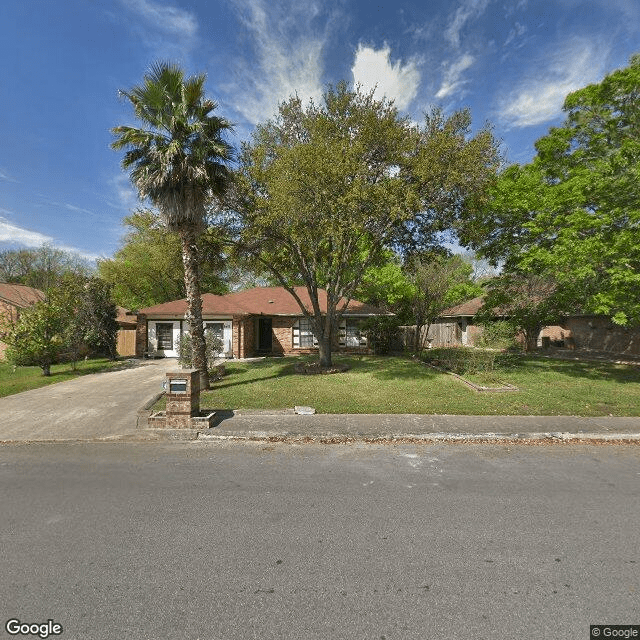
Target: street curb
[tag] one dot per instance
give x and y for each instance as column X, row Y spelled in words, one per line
column 428, row 438
column 176, row 435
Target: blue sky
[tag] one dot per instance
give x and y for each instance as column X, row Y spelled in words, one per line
column 511, row 61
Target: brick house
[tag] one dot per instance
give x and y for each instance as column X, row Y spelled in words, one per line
column 13, row 298
column 258, row 321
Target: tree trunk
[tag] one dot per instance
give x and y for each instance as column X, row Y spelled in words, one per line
column 324, row 351
column 531, row 339
column 417, row 344
column 190, row 259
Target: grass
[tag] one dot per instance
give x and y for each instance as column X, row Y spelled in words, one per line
column 25, row 378
column 401, row 385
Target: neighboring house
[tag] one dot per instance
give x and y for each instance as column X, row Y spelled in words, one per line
column 13, row 298
column 259, row 321
column 599, row 333
column 456, row 327
column 453, row 328
column 127, row 324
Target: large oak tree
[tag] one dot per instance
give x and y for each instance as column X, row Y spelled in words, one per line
column 324, row 190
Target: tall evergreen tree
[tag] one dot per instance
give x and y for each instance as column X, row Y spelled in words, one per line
column 178, row 160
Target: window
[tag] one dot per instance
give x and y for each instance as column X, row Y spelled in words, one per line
column 216, row 328
column 353, row 333
column 164, row 333
column 306, row 334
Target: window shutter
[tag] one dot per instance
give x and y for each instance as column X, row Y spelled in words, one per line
column 296, row 333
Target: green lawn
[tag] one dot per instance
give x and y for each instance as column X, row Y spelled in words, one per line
column 25, row 378
column 401, row 385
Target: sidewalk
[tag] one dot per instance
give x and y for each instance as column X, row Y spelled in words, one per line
column 287, row 426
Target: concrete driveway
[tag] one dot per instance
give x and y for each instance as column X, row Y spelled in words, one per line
column 99, row 405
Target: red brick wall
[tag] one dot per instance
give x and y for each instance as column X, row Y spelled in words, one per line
column 598, row 333
column 141, row 335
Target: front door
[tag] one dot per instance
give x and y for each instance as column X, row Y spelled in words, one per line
column 265, row 331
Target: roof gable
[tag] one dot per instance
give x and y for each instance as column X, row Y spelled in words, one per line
column 19, row 295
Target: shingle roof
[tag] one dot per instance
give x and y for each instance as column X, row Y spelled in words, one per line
column 468, row 308
column 270, row 301
column 20, row 295
column 125, row 317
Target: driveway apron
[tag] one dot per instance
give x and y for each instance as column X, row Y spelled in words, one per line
column 100, row 405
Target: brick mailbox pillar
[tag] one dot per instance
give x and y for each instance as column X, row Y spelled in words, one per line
column 182, row 391
column 183, row 398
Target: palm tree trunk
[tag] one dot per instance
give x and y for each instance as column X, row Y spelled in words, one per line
column 190, row 259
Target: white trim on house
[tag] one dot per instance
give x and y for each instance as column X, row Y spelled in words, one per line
column 153, row 345
column 350, row 334
column 180, row 327
column 303, row 335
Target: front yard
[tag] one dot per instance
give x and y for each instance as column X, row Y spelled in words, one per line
column 401, row 385
column 17, row 379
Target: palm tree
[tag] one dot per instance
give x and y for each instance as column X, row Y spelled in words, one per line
column 179, row 162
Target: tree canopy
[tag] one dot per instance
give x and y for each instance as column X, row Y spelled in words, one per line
column 40, row 267
column 77, row 317
column 148, row 268
column 323, row 191
column 573, row 213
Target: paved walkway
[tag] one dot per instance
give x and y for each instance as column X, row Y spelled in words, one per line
column 95, row 406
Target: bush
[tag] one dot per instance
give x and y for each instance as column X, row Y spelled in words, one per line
column 465, row 360
column 498, row 334
column 382, row 333
column 461, row 360
column 213, row 346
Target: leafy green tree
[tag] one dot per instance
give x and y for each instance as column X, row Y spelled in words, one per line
column 323, row 192
column 40, row 267
column 438, row 281
column 387, row 286
column 179, row 162
column 573, row 213
column 529, row 301
column 38, row 337
column 90, row 316
column 148, row 268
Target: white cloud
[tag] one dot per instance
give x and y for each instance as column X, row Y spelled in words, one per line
column 6, row 177
column 12, row 234
column 539, row 99
column 452, row 81
column 373, row 68
column 126, row 195
column 288, row 57
column 170, row 31
column 468, row 10
column 515, row 33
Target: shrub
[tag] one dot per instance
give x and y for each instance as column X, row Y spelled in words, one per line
column 498, row 334
column 382, row 333
column 461, row 360
column 213, row 346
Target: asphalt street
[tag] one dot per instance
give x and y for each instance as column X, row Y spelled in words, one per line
column 207, row 540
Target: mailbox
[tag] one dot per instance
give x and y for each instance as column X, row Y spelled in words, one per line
column 178, row 385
